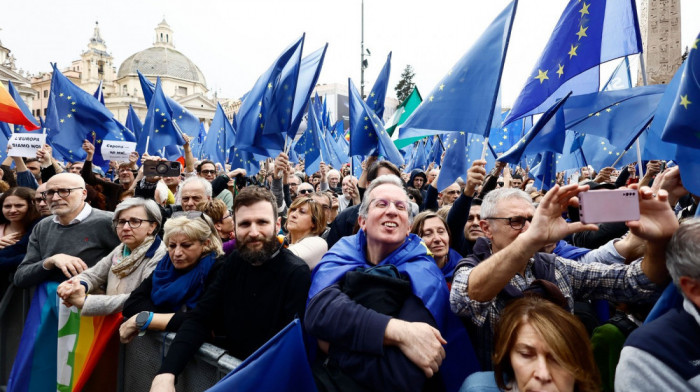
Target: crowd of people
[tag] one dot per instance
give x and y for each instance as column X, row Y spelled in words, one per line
column 488, row 284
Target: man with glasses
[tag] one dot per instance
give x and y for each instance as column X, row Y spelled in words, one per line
column 207, row 170
column 395, row 345
column 449, row 194
column 305, row 189
column 40, row 203
column 507, row 261
column 73, row 240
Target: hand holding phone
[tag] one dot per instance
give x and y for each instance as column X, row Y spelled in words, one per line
column 613, row 205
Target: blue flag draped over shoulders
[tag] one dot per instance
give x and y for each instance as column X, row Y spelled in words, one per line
column 427, row 282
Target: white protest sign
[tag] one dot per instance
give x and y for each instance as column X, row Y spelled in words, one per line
column 26, row 144
column 117, row 151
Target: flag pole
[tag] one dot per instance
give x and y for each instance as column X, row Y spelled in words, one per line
column 146, row 150
column 643, row 69
column 486, row 145
column 620, row 157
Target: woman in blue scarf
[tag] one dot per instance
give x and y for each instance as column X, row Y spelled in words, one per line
column 163, row 300
column 433, row 230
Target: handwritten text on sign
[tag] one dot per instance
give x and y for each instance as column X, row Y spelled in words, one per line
column 26, row 144
column 117, row 151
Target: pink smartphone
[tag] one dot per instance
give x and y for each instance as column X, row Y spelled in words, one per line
column 610, row 205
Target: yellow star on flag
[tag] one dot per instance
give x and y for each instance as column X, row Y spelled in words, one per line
column 695, row 45
column 371, row 94
column 269, row 85
column 582, row 32
column 684, row 101
column 541, row 76
column 157, row 110
column 431, row 98
column 442, row 86
column 60, row 95
column 572, row 52
column 584, row 9
column 560, row 71
column 68, row 97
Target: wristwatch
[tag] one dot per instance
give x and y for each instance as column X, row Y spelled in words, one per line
column 142, row 319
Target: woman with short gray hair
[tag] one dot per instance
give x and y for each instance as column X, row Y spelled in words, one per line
column 136, row 222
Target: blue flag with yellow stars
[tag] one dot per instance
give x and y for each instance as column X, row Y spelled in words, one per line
column 309, row 144
column 258, row 105
column 420, row 159
column 188, row 122
column 376, row 97
column 548, row 134
column 587, row 34
column 133, row 123
column 5, row 134
column 620, row 78
column 367, row 134
column 545, row 173
column 158, row 128
column 99, row 94
column 309, row 72
column 279, row 113
column 683, row 123
column 73, row 115
column 220, row 138
column 454, row 165
column 436, row 151
column 22, row 106
column 622, row 122
column 465, row 98
column 503, row 138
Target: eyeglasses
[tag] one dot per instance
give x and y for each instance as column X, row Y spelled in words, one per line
column 305, row 191
column 230, row 215
column 134, row 223
column 205, row 172
column 516, row 222
column 453, row 192
column 63, row 192
column 383, row 204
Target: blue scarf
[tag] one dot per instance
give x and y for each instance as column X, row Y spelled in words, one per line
column 448, row 270
column 427, row 282
column 173, row 288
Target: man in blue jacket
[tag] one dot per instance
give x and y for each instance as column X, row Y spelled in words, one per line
column 403, row 350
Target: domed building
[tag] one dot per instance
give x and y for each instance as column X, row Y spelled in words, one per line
column 181, row 79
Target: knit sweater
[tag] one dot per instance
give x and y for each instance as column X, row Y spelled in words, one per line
column 118, row 289
column 90, row 240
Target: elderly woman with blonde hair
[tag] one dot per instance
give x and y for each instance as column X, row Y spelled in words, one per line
column 164, row 300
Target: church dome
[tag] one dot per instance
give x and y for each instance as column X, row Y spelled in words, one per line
column 161, row 61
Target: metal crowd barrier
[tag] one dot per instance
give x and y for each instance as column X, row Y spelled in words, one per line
column 141, row 359
column 14, row 307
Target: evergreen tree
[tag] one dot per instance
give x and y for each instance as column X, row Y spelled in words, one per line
column 405, row 86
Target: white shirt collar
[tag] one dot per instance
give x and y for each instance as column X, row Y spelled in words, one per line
column 87, row 209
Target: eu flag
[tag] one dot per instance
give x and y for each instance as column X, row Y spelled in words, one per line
column 376, row 97
column 545, row 173
column 284, row 355
column 258, row 103
column 188, row 122
column 587, row 34
column 420, row 159
column 158, row 128
column 465, row 98
column 548, row 134
column 367, row 132
column 620, row 78
column 436, row 151
column 134, row 123
column 503, row 138
column 74, row 115
column 309, row 72
column 99, row 94
column 220, row 138
column 683, row 124
column 454, row 165
column 310, row 143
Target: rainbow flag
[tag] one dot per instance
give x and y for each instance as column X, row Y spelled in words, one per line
column 81, row 342
column 35, row 365
column 11, row 113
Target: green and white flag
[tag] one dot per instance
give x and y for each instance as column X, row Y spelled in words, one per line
column 402, row 113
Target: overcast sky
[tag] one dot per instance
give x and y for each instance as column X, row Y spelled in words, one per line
column 233, row 42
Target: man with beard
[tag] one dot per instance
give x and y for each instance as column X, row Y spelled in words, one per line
column 259, row 290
